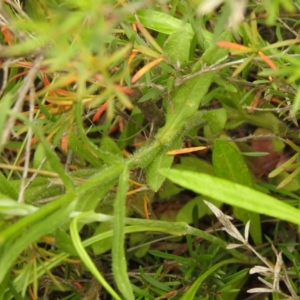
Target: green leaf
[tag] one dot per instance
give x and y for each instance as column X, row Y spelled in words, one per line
column 14, row 208
column 119, row 265
column 216, row 120
column 106, row 176
column 92, row 149
column 18, row 227
column 40, row 223
column 234, row 194
column 39, row 157
column 136, row 239
column 177, row 46
column 155, row 283
column 109, row 146
column 187, row 97
column 63, row 242
column 185, row 214
column 192, row 290
column 162, row 22
column 285, row 165
column 288, row 181
column 54, row 160
column 162, row 160
column 85, row 257
column 4, row 110
column 189, row 163
column 83, row 151
column 6, row 188
column 105, row 244
column 228, row 163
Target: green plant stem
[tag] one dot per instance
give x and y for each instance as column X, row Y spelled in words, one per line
column 86, row 258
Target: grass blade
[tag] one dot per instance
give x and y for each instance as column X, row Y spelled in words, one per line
column 118, row 253
column 234, row 194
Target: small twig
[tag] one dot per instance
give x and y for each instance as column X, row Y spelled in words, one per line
column 31, row 170
column 215, row 67
column 35, row 174
column 153, row 85
column 244, row 139
column 288, row 27
column 275, row 109
column 27, row 83
column 69, row 160
column 28, row 145
column 4, row 67
column 18, row 9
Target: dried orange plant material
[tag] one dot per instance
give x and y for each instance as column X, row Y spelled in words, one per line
column 145, row 69
column 256, row 102
column 8, row 35
column 187, row 150
column 267, row 60
column 233, row 46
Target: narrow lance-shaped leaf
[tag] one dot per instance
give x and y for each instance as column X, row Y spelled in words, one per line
column 118, row 252
column 86, row 258
column 46, row 223
column 187, row 97
column 234, row 194
column 229, row 164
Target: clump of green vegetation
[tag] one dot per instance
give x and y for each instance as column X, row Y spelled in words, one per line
column 130, row 134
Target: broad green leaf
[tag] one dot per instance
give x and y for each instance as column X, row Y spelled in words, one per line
column 105, row 244
column 185, row 214
column 36, row 194
column 136, row 239
column 6, row 188
column 177, row 46
column 189, row 163
column 267, row 120
column 119, row 265
column 92, row 198
column 109, row 146
column 168, row 190
column 215, row 53
column 234, row 194
column 162, row 160
column 106, row 176
column 83, row 151
column 39, row 157
column 187, row 97
column 162, row 22
column 228, row 163
column 216, row 120
column 63, row 242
